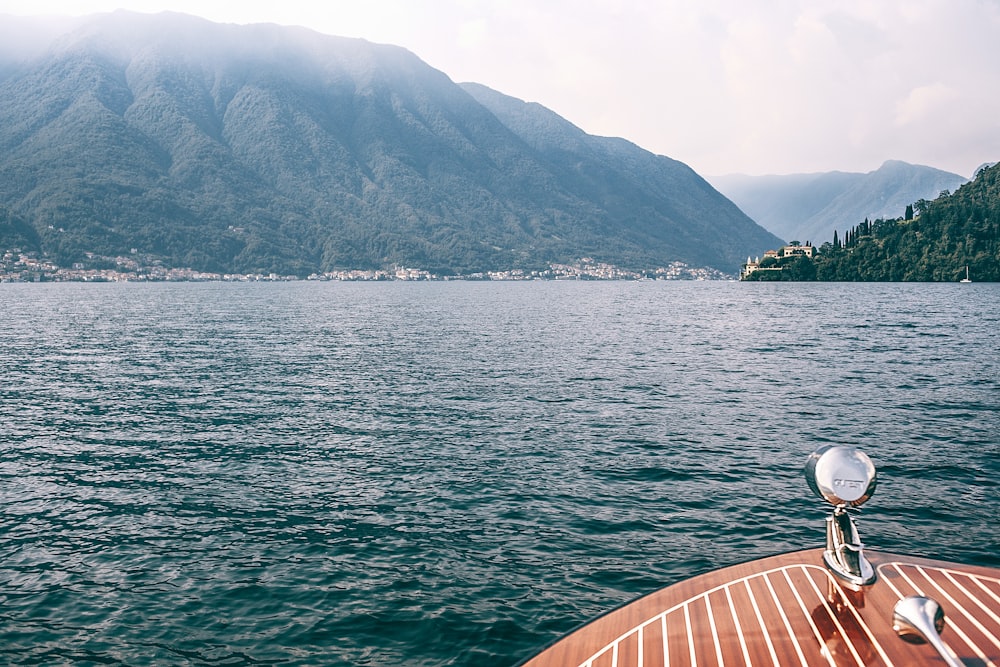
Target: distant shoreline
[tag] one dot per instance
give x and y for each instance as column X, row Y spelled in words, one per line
column 29, row 269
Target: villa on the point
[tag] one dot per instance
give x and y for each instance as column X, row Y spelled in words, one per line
column 770, row 261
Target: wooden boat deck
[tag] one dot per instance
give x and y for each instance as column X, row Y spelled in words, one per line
column 790, row 610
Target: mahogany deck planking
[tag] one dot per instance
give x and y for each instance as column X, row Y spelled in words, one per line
column 789, row 610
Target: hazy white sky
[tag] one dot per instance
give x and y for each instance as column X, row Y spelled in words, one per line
column 761, row 86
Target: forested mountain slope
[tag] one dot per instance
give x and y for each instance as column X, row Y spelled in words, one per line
column 946, row 235
column 265, row 148
column 933, row 241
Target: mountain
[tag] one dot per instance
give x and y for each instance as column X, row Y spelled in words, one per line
column 809, row 207
column 264, row 148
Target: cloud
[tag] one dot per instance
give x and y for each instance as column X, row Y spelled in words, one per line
column 724, row 85
column 814, row 86
column 932, row 102
column 473, row 34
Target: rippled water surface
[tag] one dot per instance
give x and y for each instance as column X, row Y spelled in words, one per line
column 455, row 473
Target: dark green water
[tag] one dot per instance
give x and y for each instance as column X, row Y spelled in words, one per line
column 455, row 473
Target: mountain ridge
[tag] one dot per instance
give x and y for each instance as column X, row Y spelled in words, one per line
column 811, row 206
column 266, row 148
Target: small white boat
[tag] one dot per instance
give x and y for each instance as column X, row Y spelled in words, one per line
column 833, row 607
column 966, row 279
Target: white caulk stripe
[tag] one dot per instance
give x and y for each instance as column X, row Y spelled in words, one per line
column 784, row 619
column 760, row 620
column 972, row 596
column 808, row 616
column 959, row 606
column 715, row 632
column 666, row 653
column 641, row 651
column 687, row 620
column 977, row 581
column 739, row 628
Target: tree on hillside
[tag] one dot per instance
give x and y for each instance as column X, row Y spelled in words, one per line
column 933, row 241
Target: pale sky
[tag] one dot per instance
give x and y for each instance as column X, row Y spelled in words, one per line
column 726, row 86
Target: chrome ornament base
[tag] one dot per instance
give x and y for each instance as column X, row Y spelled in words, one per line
column 845, row 555
column 844, row 477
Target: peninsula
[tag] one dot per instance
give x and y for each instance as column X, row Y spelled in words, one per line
column 934, row 241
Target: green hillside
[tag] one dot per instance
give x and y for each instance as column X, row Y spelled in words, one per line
column 944, row 236
column 932, row 241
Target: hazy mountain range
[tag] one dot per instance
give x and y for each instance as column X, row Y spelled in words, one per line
column 809, row 207
column 267, row 148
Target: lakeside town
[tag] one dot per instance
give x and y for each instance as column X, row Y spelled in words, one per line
column 20, row 266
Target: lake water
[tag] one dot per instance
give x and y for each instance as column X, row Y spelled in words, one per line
column 456, row 473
